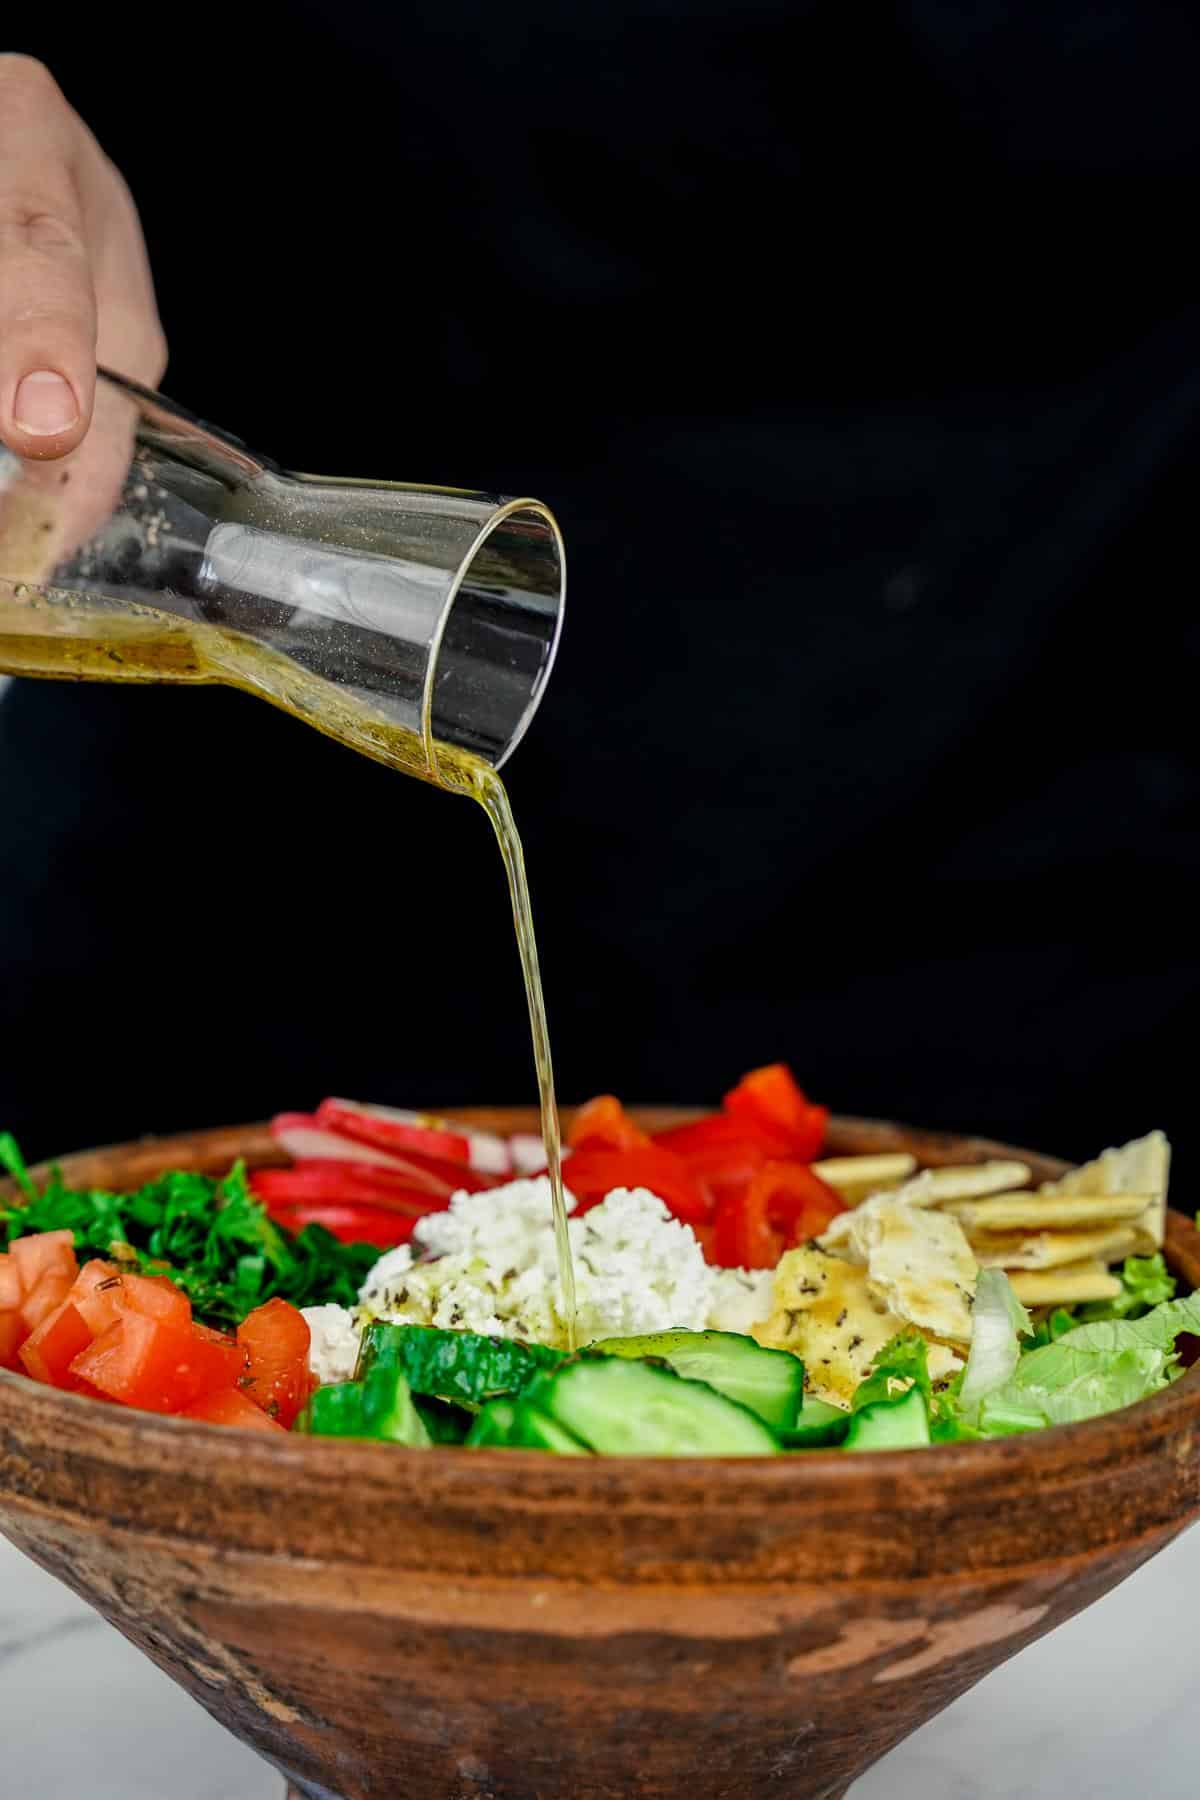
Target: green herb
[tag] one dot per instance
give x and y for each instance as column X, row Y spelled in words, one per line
column 1145, row 1282
column 902, row 1363
column 213, row 1238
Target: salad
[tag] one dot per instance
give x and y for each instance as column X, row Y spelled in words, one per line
column 739, row 1293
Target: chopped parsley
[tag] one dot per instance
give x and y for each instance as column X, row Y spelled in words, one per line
column 212, row 1237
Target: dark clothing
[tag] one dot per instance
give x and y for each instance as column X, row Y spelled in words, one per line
column 850, row 346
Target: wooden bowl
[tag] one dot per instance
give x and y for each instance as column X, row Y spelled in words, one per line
column 508, row 1626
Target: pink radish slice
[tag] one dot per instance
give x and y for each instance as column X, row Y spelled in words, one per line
column 302, row 1138
column 529, row 1153
column 433, row 1174
column 401, row 1132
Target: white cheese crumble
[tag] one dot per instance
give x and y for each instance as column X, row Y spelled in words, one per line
column 742, row 1298
column 333, row 1352
column 637, row 1269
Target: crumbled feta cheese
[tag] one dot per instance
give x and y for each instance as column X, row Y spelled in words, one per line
column 741, row 1299
column 333, row 1351
column 637, row 1269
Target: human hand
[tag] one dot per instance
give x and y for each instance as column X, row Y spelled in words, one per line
column 75, row 288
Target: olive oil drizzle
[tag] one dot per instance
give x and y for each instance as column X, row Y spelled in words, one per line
column 76, row 638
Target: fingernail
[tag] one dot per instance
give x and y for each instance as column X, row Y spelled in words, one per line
column 45, row 404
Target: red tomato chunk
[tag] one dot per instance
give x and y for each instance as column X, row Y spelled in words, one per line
column 230, row 1406
column 275, row 1341
column 158, row 1365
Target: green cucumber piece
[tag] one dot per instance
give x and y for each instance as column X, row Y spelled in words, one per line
column 445, row 1423
column 901, row 1424
column 515, row 1425
column 388, row 1413
column 335, row 1411
column 769, row 1382
column 819, row 1423
column 536, row 1430
column 454, row 1365
column 493, row 1427
column 621, row 1408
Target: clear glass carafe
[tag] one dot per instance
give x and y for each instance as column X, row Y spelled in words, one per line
column 407, row 621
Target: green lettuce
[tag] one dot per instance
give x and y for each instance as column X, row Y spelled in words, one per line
column 1093, row 1369
column 1145, row 1282
column 998, row 1323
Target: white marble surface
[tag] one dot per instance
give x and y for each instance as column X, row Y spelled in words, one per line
column 1100, row 1710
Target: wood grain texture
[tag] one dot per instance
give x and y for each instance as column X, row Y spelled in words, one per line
column 513, row 1627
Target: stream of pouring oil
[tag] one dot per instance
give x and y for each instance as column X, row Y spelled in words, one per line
column 81, row 642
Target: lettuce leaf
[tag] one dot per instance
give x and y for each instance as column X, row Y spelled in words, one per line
column 1145, row 1282
column 1093, row 1369
column 998, row 1322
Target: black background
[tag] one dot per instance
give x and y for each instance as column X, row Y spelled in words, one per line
column 854, row 349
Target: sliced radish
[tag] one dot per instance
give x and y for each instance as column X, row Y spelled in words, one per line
column 529, row 1153
column 404, row 1133
column 302, row 1138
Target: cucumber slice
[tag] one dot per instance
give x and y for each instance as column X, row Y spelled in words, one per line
column 334, row 1411
column 901, row 1424
column 769, row 1382
column 388, row 1412
column 445, row 1423
column 535, row 1430
column 493, row 1427
column 454, row 1365
column 819, row 1423
column 515, row 1425
column 624, row 1408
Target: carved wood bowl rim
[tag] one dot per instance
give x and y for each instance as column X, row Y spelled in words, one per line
column 826, row 1479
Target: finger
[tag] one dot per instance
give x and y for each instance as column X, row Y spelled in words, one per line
column 130, row 336
column 47, row 303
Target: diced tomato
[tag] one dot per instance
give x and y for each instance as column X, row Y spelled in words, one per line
column 40, row 1253
column 785, row 1204
column 773, row 1103
column 229, row 1406
column 319, row 1183
column 603, row 1124
column 41, row 1300
column 352, row 1223
column 48, row 1352
column 12, row 1336
column 389, row 1129
column 276, row 1340
column 155, row 1296
column 590, row 1174
column 158, row 1365
column 96, row 1294
column 11, row 1291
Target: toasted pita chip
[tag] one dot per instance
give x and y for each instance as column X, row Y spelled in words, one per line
column 1065, row 1286
column 919, row 1264
column 843, row 1234
column 854, row 1177
column 1052, row 1249
column 1043, row 1211
column 825, row 1313
column 965, row 1181
column 1140, row 1167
